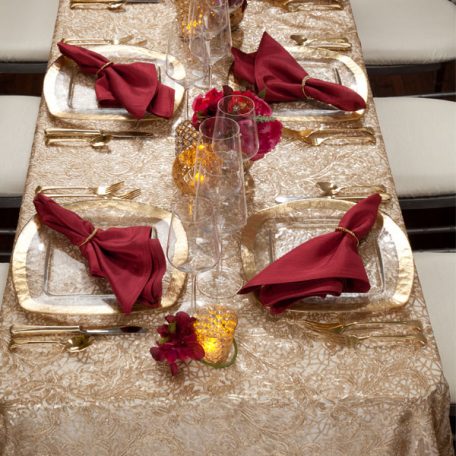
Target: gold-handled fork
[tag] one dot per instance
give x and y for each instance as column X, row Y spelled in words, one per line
column 123, row 196
column 101, row 190
column 330, row 188
column 333, row 44
column 354, row 339
column 110, row 5
column 365, row 135
column 293, row 5
column 101, row 41
column 340, row 328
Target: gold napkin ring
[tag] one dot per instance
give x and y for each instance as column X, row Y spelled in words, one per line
column 303, row 85
column 346, row 230
column 103, row 67
column 89, row 237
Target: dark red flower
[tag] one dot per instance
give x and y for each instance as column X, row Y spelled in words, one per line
column 269, row 129
column 178, row 341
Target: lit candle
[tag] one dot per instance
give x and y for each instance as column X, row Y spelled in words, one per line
column 214, row 329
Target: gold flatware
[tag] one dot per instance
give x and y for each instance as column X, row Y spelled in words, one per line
column 103, row 41
column 72, row 345
column 101, row 190
column 340, row 328
column 287, row 198
column 46, row 330
column 124, row 196
column 74, row 132
column 293, row 5
column 97, row 139
column 329, row 188
column 333, row 44
column 365, row 135
column 354, row 339
column 114, row 5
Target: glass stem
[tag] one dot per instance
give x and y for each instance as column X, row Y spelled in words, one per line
column 210, row 77
column 186, row 102
column 193, row 298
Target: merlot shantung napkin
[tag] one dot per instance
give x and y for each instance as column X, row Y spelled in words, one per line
column 132, row 262
column 273, row 70
column 133, row 86
column 326, row 264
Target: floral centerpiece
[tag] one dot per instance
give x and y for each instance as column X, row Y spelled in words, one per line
column 269, row 128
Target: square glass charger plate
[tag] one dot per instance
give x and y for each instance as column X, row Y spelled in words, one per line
column 50, row 275
column 386, row 253
column 70, row 94
column 328, row 66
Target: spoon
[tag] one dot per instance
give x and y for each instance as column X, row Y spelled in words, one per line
column 72, row 345
column 116, row 6
column 329, row 188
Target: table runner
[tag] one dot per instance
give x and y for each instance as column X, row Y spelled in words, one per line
column 288, row 393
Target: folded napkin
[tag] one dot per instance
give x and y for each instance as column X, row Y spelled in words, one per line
column 132, row 262
column 272, row 69
column 134, row 86
column 327, row 264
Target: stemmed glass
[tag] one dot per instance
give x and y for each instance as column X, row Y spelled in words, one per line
column 196, row 217
column 178, row 56
column 209, row 32
column 241, row 109
column 220, row 178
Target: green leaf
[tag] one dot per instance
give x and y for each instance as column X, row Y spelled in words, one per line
column 262, row 94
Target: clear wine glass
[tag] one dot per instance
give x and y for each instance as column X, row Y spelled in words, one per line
column 241, row 109
column 196, row 217
column 209, row 32
column 220, row 178
column 179, row 58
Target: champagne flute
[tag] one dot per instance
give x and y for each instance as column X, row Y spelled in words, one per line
column 220, row 178
column 209, row 32
column 197, row 219
column 178, row 56
column 242, row 110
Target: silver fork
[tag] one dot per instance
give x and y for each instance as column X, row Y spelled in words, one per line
column 101, row 190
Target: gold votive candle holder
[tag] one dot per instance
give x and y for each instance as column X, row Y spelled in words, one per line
column 215, row 327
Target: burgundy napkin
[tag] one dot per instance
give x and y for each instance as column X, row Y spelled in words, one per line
column 132, row 262
column 134, row 86
column 272, row 69
column 327, row 264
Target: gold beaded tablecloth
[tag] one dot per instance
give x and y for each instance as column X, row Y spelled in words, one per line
column 288, row 393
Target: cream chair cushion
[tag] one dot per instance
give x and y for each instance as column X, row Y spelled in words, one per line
column 420, row 140
column 3, row 275
column 17, row 126
column 26, row 29
column 437, row 273
column 396, row 32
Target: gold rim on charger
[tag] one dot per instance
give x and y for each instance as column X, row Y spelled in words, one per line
column 32, row 229
column 400, row 292
column 56, row 87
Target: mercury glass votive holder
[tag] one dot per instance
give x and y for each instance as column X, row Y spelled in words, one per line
column 214, row 330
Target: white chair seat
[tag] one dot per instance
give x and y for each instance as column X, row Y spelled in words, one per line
column 420, row 140
column 17, row 126
column 394, row 32
column 437, row 273
column 26, row 28
column 3, row 275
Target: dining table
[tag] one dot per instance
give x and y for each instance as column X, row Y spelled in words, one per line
column 289, row 392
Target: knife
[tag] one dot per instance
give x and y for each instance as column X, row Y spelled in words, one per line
column 37, row 330
column 288, row 198
column 71, row 132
